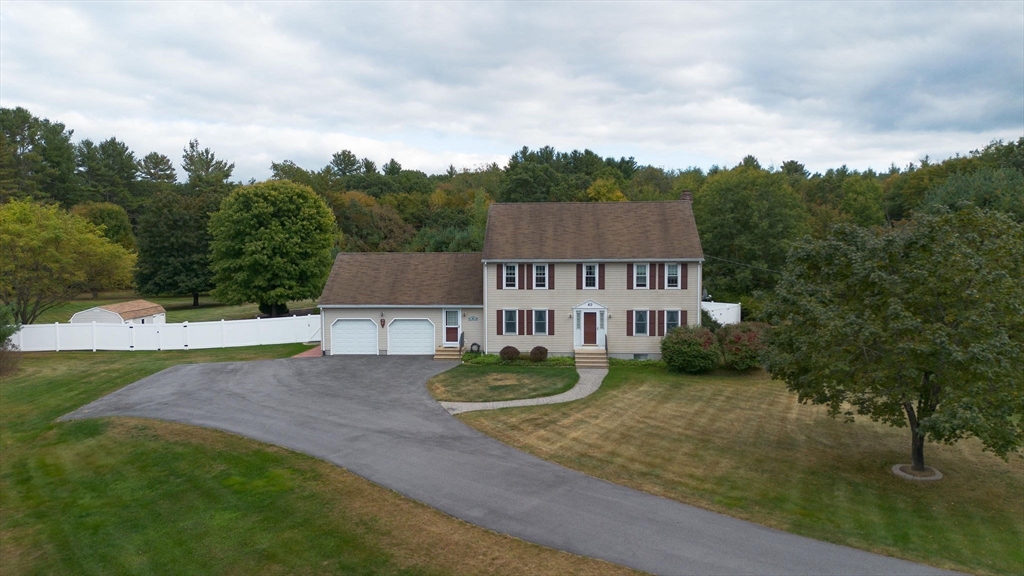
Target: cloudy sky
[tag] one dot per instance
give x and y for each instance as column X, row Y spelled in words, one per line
column 433, row 84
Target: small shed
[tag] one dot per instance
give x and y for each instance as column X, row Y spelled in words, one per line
column 133, row 312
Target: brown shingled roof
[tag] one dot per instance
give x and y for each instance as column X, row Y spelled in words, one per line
column 591, row 230
column 134, row 309
column 405, row 278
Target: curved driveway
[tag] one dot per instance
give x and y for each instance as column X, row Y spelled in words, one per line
column 373, row 416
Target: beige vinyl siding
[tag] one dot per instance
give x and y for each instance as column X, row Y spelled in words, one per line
column 615, row 297
column 472, row 329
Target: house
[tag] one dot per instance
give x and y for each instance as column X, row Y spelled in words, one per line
column 133, row 312
column 577, row 278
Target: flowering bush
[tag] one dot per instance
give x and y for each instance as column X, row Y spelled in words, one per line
column 742, row 344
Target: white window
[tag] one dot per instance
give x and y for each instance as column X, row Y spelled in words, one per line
column 540, row 322
column 578, row 316
column 640, row 322
column 511, row 274
column 510, row 322
column 671, row 319
column 640, row 276
column 590, row 275
column 672, row 276
column 540, row 276
column 600, row 320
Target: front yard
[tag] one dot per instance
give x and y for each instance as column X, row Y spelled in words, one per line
column 468, row 383
column 127, row 495
column 740, row 444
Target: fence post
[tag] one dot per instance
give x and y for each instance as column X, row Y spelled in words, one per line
column 184, row 334
column 223, row 333
column 93, row 335
column 56, row 336
column 258, row 341
column 131, row 337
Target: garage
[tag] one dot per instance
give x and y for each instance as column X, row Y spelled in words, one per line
column 411, row 336
column 354, row 336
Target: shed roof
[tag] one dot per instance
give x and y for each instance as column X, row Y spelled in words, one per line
column 591, row 231
column 134, row 309
column 404, row 279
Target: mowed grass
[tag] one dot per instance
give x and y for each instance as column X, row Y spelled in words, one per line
column 179, row 309
column 124, row 495
column 741, row 444
column 467, row 383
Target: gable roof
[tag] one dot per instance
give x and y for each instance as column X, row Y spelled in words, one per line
column 591, row 231
column 405, row 279
column 134, row 309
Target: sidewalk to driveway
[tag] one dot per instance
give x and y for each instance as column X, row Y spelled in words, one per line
column 374, row 417
column 590, row 380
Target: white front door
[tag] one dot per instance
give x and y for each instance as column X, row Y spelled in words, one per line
column 452, row 327
column 411, row 336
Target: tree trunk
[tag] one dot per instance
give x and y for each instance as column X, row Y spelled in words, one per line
column 916, row 440
column 195, row 299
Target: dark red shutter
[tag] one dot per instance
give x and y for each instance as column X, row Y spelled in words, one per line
column 551, row 276
column 661, row 276
column 579, row 276
column 522, row 276
column 501, row 276
column 522, row 322
column 629, row 322
column 682, row 318
column 683, row 277
column 629, row 279
column 600, row 276
column 529, row 277
column 529, row 322
column 551, row 322
column 501, row 322
column 661, row 322
column 652, row 276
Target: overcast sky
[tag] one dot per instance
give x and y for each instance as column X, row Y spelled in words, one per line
column 672, row 84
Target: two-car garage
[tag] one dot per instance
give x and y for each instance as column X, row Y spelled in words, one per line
column 405, row 336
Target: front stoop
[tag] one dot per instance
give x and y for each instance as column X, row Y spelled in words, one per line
column 591, row 358
column 449, row 354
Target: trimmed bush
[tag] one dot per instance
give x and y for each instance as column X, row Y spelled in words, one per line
column 538, row 354
column 742, row 344
column 708, row 321
column 690, row 349
column 509, row 353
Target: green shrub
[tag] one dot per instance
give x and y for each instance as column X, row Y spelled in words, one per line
column 690, row 349
column 495, row 360
column 538, row 354
column 708, row 321
column 742, row 344
column 9, row 354
column 509, row 353
column 481, row 359
column 636, row 363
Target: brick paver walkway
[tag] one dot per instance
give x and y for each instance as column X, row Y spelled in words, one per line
column 589, row 382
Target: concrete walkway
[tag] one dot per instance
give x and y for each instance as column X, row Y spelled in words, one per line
column 374, row 417
column 590, row 380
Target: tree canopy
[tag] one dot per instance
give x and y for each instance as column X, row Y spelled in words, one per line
column 48, row 256
column 271, row 244
column 921, row 325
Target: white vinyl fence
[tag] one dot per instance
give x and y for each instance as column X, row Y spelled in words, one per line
column 184, row 336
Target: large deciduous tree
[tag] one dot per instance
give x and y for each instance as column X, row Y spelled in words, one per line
column 112, row 219
column 919, row 326
column 271, row 244
column 174, row 245
column 48, row 257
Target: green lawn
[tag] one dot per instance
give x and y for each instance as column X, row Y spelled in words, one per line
column 468, row 383
column 179, row 309
column 125, row 495
column 741, row 444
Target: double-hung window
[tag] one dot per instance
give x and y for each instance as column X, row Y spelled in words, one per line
column 540, row 322
column 640, row 322
column 590, row 275
column 511, row 275
column 540, row 276
column 510, row 322
column 640, row 276
column 672, row 275
column 671, row 319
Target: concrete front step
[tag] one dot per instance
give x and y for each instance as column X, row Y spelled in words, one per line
column 447, row 354
column 591, row 358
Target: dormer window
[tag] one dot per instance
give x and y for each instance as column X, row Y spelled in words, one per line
column 540, row 276
column 590, row 276
column 511, row 276
column 640, row 275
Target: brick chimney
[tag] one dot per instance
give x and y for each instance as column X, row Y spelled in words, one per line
column 686, row 196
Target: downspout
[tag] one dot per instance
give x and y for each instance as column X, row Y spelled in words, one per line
column 700, row 291
column 487, row 312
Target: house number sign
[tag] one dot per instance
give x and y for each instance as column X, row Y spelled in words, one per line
column 473, row 318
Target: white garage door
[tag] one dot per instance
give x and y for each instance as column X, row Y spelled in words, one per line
column 354, row 337
column 411, row 337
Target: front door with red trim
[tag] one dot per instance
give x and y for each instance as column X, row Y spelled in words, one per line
column 590, row 328
column 451, row 327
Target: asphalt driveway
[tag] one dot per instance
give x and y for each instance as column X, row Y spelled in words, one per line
column 373, row 416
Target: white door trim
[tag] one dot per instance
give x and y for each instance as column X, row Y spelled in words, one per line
column 433, row 332
column 445, row 327
column 577, row 323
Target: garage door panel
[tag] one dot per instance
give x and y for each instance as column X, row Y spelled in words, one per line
column 411, row 336
column 354, row 337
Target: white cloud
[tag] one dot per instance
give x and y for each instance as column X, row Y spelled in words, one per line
column 672, row 84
